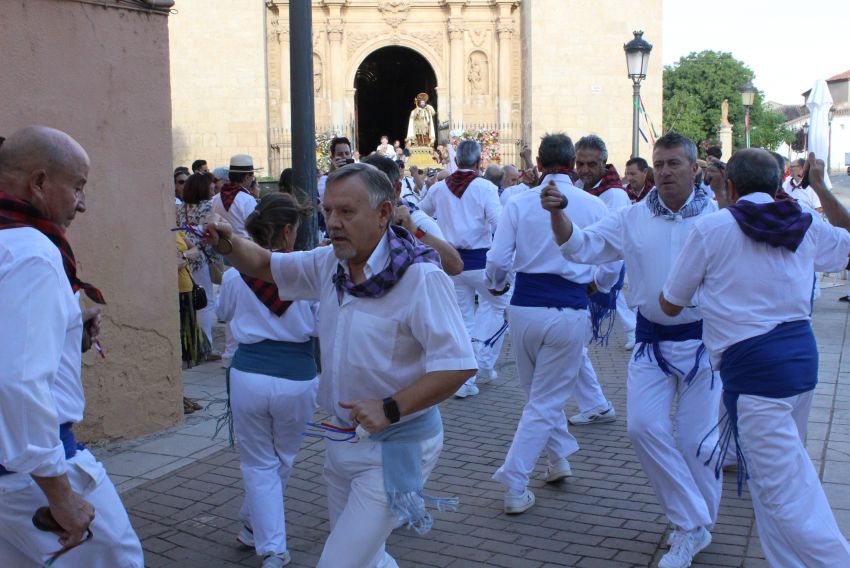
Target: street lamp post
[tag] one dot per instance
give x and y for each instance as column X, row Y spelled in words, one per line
column 831, row 115
column 637, row 62
column 748, row 95
column 806, row 138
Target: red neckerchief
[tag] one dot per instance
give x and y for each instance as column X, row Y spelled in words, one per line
column 781, row 195
column 267, row 293
column 609, row 180
column 647, row 187
column 228, row 193
column 16, row 213
column 459, row 181
column 570, row 172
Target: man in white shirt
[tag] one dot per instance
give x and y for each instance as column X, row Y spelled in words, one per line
column 548, row 318
column 393, row 346
column 42, row 177
column 235, row 202
column 467, row 209
column 340, row 154
column 793, row 186
column 669, row 361
column 385, row 149
column 413, row 186
column 760, row 337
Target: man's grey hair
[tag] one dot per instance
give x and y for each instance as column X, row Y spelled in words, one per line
column 799, row 162
column 377, row 183
column 494, row 174
column 593, row 142
column 384, row 164
column 754, row 170
column 468, row 154
column 511, row 168
column 556, row 150
column 675, row 140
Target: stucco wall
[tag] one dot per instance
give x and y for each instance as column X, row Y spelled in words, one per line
column 574, row 73
column 101, row 74
column 218, row 81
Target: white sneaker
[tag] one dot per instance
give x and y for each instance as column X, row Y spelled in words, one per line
column 598, row 415
column 516, row 504
column 276, row 560
column 684, row 546
column 246, row 537
column 466, row 390
column 630, row 341
column 486, row 375
column 558, row 471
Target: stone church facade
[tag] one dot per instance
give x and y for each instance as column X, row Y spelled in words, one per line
column 518, row 67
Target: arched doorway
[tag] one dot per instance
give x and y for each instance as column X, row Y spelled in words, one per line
column 386, row 84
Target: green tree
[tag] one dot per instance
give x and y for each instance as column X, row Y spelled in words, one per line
column 694, row 89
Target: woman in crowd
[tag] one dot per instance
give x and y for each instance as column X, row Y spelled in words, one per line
column 193, row 342
column 194, row 211
column 272, row 380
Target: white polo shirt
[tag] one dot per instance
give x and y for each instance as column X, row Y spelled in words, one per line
column 468, row 222
column 251, row 321
column 524, row 243
column 243, row 205
column 374, row 347
column 512, row 191
column 649, row 244
column 746, row 288
column 805, row 195
column 41, row 333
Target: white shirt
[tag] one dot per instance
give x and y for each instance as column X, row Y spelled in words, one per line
column 524, row 242
column 468, row 222
column 451, row 166
column 41, row 333
column 805, row 195
column 242, row 206
column 427, row 224
column 614, row 198
column 251, row 321
column 386, row 150
column 649, row 245
column 746, row 288
column 320, row 186
column 408, row 191
column 511, row 191
column 374, row 347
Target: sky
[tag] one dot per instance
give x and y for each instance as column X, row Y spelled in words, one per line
column 788, row 44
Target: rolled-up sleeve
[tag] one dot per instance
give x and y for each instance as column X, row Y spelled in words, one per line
column 437, row 325
column 32, row 335
column 832, row 246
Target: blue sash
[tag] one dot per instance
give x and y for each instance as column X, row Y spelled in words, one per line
column 69, row 443
column 778, row 364
column 603, row 309
column 283, row 359
column 649, row 334
column 548, row 291
column 473, row 259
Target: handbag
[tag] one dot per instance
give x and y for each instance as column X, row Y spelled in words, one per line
column 199, row 296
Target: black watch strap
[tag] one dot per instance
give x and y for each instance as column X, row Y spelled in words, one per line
column 391, row 410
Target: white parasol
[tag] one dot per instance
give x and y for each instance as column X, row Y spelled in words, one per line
column 819, row 103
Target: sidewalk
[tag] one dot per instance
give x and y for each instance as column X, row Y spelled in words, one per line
column 183, row 488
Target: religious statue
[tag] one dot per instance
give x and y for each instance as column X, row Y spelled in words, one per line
column 474, row 77
column 420, row 127
column 724, row 112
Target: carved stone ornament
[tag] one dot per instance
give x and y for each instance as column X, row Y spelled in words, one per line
column 394, row 11
column 356, row 40
column 456, row 29
column 434, row 40
column 505, row 27
column 478, row 37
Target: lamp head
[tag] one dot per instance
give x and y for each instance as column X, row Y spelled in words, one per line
column 637, row 56
column 748, row 94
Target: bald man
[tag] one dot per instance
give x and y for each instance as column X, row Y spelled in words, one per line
column 43, row 331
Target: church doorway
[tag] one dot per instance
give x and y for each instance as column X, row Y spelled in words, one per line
column 386, row 84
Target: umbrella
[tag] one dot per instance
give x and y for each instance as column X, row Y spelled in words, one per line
column 819, row 103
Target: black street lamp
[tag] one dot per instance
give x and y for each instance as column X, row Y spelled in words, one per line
column 637, row 62
column 748, row 95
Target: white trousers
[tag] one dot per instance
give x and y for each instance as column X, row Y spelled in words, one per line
column 795, row 523
column 481, row 323
column 206, row 317
column 359, row 512
column 687, row 490
column 114, row 543
column 269, row 415
column 548, row 344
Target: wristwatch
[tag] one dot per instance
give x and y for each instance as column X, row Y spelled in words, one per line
column 391, row 410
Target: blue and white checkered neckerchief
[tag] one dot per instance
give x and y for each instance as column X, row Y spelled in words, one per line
column 690, row 209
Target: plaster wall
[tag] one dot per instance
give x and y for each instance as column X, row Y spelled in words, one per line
column 574, row 70
column 218, row 82
column 101, row 74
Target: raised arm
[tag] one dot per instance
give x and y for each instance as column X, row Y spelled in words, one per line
column 247, row 257
column 835, row 212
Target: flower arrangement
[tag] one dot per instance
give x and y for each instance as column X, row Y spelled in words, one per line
column 489, row 141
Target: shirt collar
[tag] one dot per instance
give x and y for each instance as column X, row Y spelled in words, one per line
column 757, row 198
column 688, row 200
column 377, row 260
column 563, row 178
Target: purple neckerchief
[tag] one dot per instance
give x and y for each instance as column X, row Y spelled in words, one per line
column 778, row 223
column 404, row 251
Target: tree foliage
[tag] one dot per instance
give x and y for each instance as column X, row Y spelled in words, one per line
column 694, row 89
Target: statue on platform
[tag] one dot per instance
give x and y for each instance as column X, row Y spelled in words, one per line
column 724, row 112
column 420, row 127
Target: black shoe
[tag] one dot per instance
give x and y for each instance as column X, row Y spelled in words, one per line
column 844, row 299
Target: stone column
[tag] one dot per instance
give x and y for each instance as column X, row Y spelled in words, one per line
column 456, row 64
column 285, row 97
column 505, row 30
column 724, row 132
column 337, row 71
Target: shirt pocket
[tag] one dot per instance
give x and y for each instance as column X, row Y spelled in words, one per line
column 372, row 341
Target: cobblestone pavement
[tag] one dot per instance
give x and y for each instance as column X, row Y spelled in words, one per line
column 186, row 508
